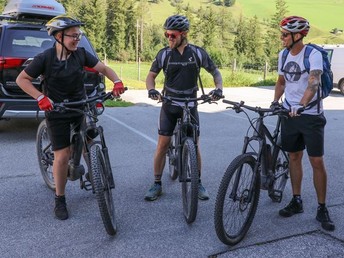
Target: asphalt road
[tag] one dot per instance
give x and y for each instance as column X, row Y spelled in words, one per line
column 158, row 229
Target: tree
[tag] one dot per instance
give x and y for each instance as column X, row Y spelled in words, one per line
column 94, row 16
column 272, row 42
column 115, row 28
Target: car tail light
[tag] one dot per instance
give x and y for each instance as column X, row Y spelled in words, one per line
column 11, row 62
column 99, row 108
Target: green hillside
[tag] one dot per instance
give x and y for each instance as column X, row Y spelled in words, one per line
column 323, row 15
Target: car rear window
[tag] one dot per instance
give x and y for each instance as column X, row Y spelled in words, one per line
column 28, row 43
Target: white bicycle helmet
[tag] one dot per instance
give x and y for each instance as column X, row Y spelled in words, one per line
column 295, row 24
column 61, row 22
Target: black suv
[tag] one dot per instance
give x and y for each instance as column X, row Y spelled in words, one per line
column 20, row 41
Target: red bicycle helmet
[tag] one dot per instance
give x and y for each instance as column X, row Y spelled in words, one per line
column 295, row 24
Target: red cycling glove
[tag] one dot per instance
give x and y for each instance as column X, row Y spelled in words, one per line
column 44, row 103
column 118, row 88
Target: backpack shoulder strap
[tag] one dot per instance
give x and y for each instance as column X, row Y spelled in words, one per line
column 284, row 58
column 308, row 51
column 198, row 53
column 48, row 62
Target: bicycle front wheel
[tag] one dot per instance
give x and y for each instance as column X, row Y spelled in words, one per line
column 237, row 200
column 102, row 188
column 172, row 162
column 45, row 155
column 189, row 179
column 280, row 165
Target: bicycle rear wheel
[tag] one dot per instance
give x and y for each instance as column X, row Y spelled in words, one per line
column 102, row 188
column 172, row 162
column 237, row 200
column 45, row 155
column 190, row 180
column 280, row 165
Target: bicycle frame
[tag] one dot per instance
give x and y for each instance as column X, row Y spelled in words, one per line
column 262, row 135
column 184, row 128
column 81, row 140
column 264, row 138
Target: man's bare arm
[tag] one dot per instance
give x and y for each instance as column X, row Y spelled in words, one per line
column 312, row 88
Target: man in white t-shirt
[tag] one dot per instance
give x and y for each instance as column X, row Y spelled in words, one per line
column 305, row 130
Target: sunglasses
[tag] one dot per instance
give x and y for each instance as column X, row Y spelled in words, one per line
column 74, row 36
column 172, row 35
column 285, row 34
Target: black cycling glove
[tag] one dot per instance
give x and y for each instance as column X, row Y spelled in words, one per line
column 275, row 105
column 153, row 94
column 216, row 94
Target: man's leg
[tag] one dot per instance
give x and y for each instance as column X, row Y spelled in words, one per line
column 295, row 167
column 60, row 170
column 159, row 164
column 320, row 184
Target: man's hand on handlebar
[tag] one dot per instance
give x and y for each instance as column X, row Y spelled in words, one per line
column 118, row 88
column 45, row 103
column 153, row 94
column 216, row 94
column 296, row 110
column 275, row 105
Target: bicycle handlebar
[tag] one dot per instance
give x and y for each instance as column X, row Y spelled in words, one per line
column 237, row 106
column 71, row 104
column 67, row 104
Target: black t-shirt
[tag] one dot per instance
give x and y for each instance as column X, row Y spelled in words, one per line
column 181, row 71
column 66, row 78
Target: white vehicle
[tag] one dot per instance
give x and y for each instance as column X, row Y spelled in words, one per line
column 336, row 57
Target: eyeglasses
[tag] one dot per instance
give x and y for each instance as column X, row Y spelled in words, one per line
column 285, row 34
column 74, row 36
column 172, row 35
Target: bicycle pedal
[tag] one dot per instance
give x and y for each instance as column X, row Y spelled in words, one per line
column 276, row 196
column 84, row 184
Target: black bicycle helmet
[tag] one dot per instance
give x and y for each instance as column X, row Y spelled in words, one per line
column 177, row 22
column 61, row 22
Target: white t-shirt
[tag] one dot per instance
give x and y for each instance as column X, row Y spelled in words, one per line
column 296, row 77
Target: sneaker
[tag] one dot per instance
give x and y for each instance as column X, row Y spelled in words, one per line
column 154, row 192
column 61, row 208
column 294, row 207
column 324, row 218
column 202, row 192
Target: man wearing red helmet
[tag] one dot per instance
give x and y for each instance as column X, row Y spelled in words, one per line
column 305, row 130
column 65, row 82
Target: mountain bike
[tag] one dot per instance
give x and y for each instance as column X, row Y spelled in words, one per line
column 262, row 165
column 89, row 141
column 182, row 154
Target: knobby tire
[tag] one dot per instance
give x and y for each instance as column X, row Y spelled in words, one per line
column 190, row 180
column 102, row 188
column 45, row 155
column 172, row 162
column 280, row 165
column 234, row 210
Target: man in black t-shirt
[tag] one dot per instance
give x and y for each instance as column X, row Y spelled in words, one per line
column 181, row 63
column 64, row 81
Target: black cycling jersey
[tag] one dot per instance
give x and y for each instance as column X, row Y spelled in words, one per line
column 181, row 71
column 65, row 79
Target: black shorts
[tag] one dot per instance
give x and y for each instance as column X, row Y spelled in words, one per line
column 305, row 131
column 59, row 127
column 168, row 118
